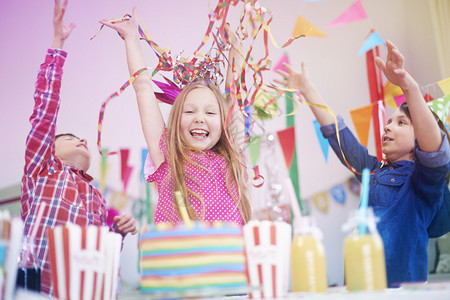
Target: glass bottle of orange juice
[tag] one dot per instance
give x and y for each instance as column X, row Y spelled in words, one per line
column 364, row 262
column 308, row 266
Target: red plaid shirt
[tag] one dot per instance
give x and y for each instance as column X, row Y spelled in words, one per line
column 67, row 192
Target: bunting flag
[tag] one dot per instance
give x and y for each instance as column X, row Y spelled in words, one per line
column 321, row 201
column 361, row 118
column 338, row 193
column 293, row 168
column 390, row 91
column 371, row 42
column 399, row 100
column 287, row 143
column 104, row 168
column 148, row 200
column 427, row 97
column 279, row 65
column 445, row 86
column 354, row 13
column 304, row 27
column 324, row 145
column 125, row 168
column 254, row 149
column 441, row 107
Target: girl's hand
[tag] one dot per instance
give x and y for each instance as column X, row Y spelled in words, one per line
column 60, row 31
column 294, row 79
column 394, row 67
column 125, row 224
column 126, row 27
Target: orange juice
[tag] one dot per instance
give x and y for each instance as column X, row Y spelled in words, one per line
column 308, row 267
column 365, row 267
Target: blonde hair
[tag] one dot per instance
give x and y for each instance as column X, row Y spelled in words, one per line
column 178, row 150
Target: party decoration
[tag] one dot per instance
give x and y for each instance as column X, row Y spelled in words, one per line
column 441, row 107
column 265, row 105
column 119, row 201
column 445, row 86
column 399, row 100
column 390, row 91
column 324, row 145
column 306, row 28
column 104, row 168
column 427, row 97
column 361, row 118
column 376, row 93
column 125, row 168
column 321, row 201
column 253, row 149
column 338, row 193
column 371, row 42
column 279, row 65
column 354, row 13
column 287, row 143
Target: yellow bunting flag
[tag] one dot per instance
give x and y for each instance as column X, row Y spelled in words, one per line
column 361, row 118
column 390, row 92
column 265, row 105
column 445, row 86
column 304, row 27
column 321, row 201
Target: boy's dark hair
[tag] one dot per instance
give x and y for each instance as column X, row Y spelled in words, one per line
column 65, row 134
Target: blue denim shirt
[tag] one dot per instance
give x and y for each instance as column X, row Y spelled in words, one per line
column 406, row 196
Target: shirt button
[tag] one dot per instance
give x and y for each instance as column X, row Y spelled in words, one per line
column 391, row 168
column 95, row 211
column 374, row 181
column 392, row 180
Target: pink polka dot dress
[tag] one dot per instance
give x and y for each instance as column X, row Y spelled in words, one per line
column 208, row 182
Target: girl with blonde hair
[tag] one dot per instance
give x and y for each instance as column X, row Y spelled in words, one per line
column 197, row 154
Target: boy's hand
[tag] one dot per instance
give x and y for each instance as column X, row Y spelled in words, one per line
column 394, row 67
column 127, row 27
column 60, row 31
column 294, row 79
column 125, row 224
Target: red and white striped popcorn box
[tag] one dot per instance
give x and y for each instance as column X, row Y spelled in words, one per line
column 268, row 248
column 84, row 262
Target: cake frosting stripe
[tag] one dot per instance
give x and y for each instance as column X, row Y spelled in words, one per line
column 176, row 258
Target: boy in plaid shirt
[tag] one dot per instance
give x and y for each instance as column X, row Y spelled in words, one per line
column 55, row 166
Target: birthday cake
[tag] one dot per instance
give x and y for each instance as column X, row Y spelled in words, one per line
column 176, row 258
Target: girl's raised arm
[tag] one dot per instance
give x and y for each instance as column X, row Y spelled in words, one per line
column 152, row 121
column 426, row 129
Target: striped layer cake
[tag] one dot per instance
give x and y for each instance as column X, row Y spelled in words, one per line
column 179, row 259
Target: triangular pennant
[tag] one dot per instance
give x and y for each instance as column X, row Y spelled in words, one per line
column 361, row 118
column 286, row 138
column 390, row 91
column 441, row 107
column 338, row 193
column 321, row 201
column 279, row 64
column 143, row 159
column 125, row 168
column 253, row 149
column 354, row 13
column 304, row 27
column 399, row 100
column 427, row 97
column 324, row 145
column 445, row 86
column 371, row 42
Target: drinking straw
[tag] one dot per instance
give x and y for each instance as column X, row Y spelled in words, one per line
column 364, row 201
column 294, row 204
column 183, row 211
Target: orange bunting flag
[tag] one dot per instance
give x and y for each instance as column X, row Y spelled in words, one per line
column 286, row 138
column 390, row 91
column 361, row 118
column 354, row 13
column 304, row 27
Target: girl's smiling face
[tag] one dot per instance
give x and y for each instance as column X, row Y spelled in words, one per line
column 398, row 138
column 201, row 124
